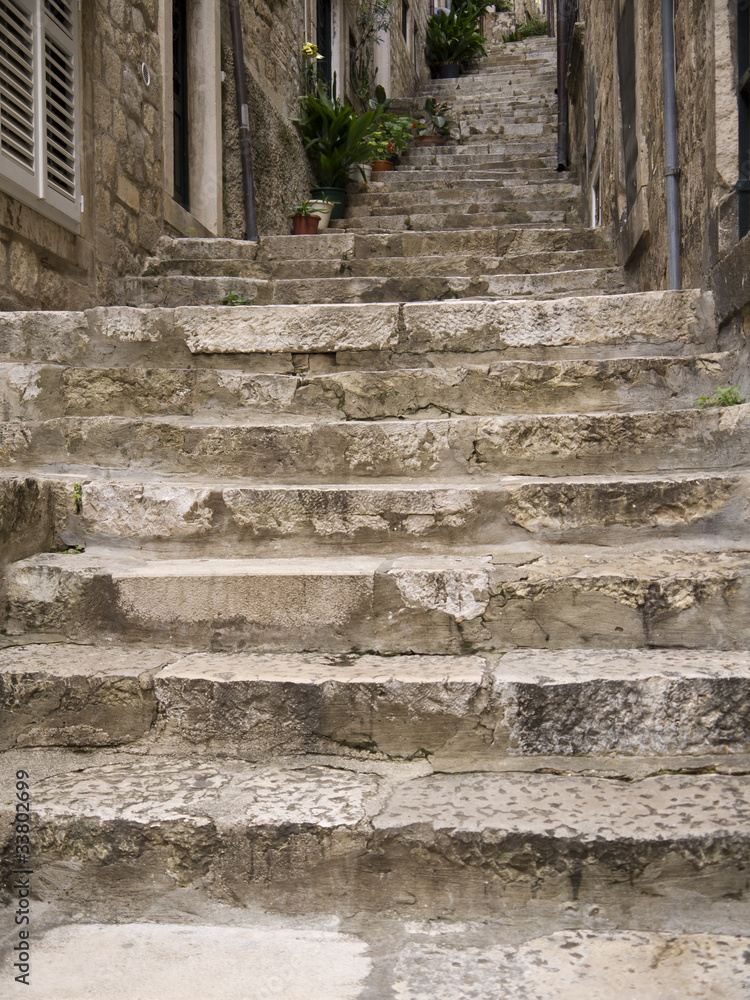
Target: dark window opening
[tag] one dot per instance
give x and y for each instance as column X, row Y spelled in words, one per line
column 404, row 18
column 180, row 103
column 324, row 41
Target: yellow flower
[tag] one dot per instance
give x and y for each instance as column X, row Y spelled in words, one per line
column 311, row 51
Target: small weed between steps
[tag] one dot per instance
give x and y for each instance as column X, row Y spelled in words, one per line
column 69, row 550
column 78, row 497
column 234, row 298
column 728, row 396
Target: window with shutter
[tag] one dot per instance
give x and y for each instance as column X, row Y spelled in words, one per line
column 39, row 105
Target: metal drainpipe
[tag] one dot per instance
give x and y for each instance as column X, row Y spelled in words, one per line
column 246, row 151
column 562, row 87
column 672, row 171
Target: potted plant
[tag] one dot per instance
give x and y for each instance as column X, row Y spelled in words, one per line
column 304, row 223
column 337, row 137
column 437, row 126
column 322, row 209
column 452, row 38
column 390, row 139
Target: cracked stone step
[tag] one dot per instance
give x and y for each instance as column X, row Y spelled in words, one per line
column 403, row 335
column 321, row 450
column 481, row 712
column 311, row 837
column 469, row 265
column 173, row 518
column 431, row 604
column 427, row 222
column 341, row 246
column 40, row 391
column 478, row 195
column 178, row 290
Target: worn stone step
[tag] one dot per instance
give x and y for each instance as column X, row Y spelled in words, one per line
column 319, row 449
column 415, row 204
column 550, row 265
column 386, row 194
column 388, row 839
column 529, row 182
column 483, row 712
column 176, row 517
column 448, row 220
column 40, row 392
column 181, row 290
column 432, row 604
column 342, row 246
column 291, row 960
column 411, row 334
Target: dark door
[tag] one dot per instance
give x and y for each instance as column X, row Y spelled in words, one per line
column 324, row 41
column 180, row 102
column 743, row 97
column 626, row 68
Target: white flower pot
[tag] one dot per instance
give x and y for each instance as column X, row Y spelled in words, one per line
column 355, row 174
column 323, row 210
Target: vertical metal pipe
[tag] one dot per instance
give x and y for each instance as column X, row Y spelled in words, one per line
column 246, row 151
column 672, row 170
column 562, row 86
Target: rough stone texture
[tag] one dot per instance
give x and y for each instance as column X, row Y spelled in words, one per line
column 706, row 133
column 168, row 961
column 571, row 965
column 466, row 844
column 424, row 604
column 490, row 710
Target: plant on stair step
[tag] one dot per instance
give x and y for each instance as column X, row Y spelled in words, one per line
column 453, row 38
column 438, row 124
column 727, row 396
column 304, row 222
column 374, row 18
column 533, row 28
column 234, row 298
column 390, row 139
column 336, row 137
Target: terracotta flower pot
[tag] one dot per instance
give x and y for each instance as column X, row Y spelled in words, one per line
column 429, row 140
column 381, row 165
column 305, row 225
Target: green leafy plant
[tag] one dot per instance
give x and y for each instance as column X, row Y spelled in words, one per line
column 392, row 136
column 373, row 17
column 78, row 497
column 234, row 298
column 453, row 37
column 533, row 28
column 299, row 207
column 334, row 134
column 728, row 396
column 438, row 120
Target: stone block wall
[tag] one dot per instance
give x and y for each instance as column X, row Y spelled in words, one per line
column 707, row 136
column 125, row 126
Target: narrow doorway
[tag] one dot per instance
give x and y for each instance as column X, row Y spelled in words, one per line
column 180, row 103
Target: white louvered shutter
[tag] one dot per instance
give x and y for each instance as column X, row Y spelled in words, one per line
column 60, row 97
column 18, row 114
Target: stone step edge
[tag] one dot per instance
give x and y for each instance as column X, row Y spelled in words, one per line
column 485, row 711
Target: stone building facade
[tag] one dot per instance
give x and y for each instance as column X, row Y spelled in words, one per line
column 87, row 189
column 617, row 137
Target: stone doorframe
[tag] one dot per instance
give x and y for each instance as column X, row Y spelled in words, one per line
column 205, row 216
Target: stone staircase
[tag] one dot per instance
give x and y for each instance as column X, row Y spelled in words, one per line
column 387, row 636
